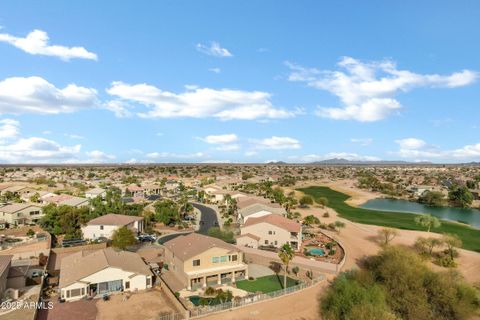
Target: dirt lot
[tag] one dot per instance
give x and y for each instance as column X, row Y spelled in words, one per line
column 142, row 305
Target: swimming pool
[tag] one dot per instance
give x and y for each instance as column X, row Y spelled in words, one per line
column 316, row 251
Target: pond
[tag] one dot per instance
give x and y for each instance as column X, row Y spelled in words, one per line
column 468, row 216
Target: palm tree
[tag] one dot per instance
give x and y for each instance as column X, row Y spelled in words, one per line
column 286, row 255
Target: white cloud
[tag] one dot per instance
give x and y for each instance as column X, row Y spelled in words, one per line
column 97, row 156
column 215, row 70
column 411, row 143
column 36, row 95
column 9, row 129
column 36, row 42
column 333, row 155
column 214, row 50
column 119, row 108
column 367, row 90
column 362, row 141
column 225, row 104
column 417, row 149
column 37, row 150
column 220, row 139
column 46, row 132
column 225, row 142
column 277, row 143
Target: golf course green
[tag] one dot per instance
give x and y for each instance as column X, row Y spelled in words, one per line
column 336, row 200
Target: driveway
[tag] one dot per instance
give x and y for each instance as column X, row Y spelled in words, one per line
column 209, row 218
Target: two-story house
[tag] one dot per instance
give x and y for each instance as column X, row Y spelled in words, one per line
column 20, row 213
column 270, row 230
column 199, row 261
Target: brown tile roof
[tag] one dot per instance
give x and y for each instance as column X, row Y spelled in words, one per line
column 82, row 264
column 276, row 220
column 112, row 219
column 244, row 202
column 185, row 247
column 249, row 235
column 12, row 208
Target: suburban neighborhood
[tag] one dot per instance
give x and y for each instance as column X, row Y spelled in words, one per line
column 239, row 160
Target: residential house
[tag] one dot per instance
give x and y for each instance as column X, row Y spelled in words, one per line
column 104, row 226
column 199, row 261
column 86, row 274
column 134, row 191
column 21, row 213
column 254, row 207
column 95, row 192
column 270, row 230
column 5, row 264
column 66, row 200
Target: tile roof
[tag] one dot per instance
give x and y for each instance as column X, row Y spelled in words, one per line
column 112, row 219
column 188, row 246
column 82, row 264
column 276, row 220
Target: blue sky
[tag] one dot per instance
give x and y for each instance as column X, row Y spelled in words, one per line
column 239, row 81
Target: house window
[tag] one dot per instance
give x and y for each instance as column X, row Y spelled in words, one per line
column 270, row 232
column 276, row 242
column 266, row 241
column 215, row 259
column 223, row 258
column 101, row 227
column 127, row 284
column 148, row 280
column 68, row 293
column 234, row 257
column 196, row 262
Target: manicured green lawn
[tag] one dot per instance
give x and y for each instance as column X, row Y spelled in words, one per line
column 265, row 284
column 336, row 200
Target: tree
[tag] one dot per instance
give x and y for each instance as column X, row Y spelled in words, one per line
column 426, row 245
column 310, row 219
column 167, row 212
column 387, row 235
column 122, row 238
column 460, row 196
column 338, row 225
column 432, row 198
column 286, row 255
column 35, row 198
column 353, row 295
column 451, row 241
column 322, row 201
column 305, row 201
column 224, row 235
column 428, row 221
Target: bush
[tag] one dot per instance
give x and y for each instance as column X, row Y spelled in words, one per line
column 331, row 252
column 210, row 291
column 326, row 215
column 446, row 261
column 330, row 245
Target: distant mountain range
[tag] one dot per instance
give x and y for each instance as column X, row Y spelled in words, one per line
column 379, row 162
column 342, row 161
